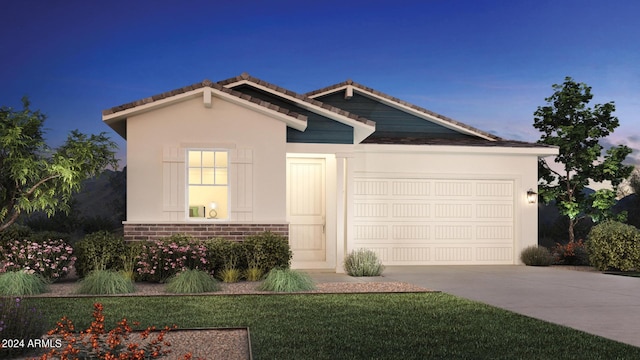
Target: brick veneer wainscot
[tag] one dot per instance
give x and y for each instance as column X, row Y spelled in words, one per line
column 236, row 232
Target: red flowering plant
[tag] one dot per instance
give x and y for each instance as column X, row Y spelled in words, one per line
column 571, row 253
column 96, row 343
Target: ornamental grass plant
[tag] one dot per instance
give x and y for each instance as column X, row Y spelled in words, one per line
column 363, row 262
column 287, row 280
column 253, row 273
column 192, row 281
column 536, row 256
column 230, row 275
column 105, row 282
column 18, row 323
column 20, row 283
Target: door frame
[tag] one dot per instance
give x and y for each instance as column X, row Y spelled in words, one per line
column 330, row 212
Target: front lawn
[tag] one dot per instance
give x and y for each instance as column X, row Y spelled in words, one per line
column 355, row 326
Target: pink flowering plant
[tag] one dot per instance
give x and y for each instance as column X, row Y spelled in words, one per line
column 161, row 259
column 51, row 258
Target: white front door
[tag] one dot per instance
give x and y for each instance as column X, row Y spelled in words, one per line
column 306, row 211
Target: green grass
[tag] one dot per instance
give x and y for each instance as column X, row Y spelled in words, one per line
column 18, row 283
column 191, row 281
column 356, row 326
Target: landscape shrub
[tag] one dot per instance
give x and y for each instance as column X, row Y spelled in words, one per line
column 105, row 282
column 160, row 259
column 14, row 232
column 363, row 262
column 572, row 253
column 19, row 322
column 225, row 254
column 613, row 245
column 51, row 258
column 98, row 343
column 287, row 280
column 99, row 251
column 97, row 223
column 43, row 236
column 192, row 281
column 19, row 283
column 536, row 256
column 267, row 251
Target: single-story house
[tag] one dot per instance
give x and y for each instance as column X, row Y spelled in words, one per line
column 335, row 169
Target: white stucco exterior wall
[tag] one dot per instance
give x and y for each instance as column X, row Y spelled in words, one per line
column 189, row 124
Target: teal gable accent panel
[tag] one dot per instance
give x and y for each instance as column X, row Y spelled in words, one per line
column 390, row 121
column 320, row 129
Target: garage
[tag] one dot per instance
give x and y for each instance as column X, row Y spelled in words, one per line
column 417, row 220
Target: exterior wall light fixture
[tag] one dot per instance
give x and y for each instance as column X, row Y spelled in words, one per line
column 532, row 196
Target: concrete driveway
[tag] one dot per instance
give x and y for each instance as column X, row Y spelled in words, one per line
column 604, row 305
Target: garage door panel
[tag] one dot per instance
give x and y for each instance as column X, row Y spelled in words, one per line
column 435, row 221
column 494, row 232
column 410, row 188
column 495, row 254
column 411, row 232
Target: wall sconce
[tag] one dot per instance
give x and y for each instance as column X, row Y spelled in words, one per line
column 532, row 196
column 213, row 213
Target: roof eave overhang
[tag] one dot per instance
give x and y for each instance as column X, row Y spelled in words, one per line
column 361, row 130
column 460, row 149
column 407, row 109
column 117, row 120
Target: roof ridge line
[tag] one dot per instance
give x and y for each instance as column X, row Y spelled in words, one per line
column 245, row 76
column 199, row 85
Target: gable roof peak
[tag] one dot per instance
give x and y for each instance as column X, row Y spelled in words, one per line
column 245, row 76
column 444, row 120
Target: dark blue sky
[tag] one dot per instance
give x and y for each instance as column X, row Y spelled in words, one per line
column 487, row 63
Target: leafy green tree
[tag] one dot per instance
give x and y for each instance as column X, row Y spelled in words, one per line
column 567, row 122
column 35, row 177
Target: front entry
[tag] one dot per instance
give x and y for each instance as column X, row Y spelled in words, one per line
column 306, row 211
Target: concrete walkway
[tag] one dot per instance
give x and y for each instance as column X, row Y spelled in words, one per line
column 604, row 305
column 599, row 304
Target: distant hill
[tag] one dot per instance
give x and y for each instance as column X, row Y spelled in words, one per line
column 103, row 196
column 98, row 196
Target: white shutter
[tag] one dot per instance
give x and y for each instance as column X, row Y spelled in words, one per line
column 173, row 184
column 241, row 183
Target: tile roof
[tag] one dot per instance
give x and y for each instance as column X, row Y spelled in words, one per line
column 205, row 83
column 417, row 140
column 247, row 77
column 407, row 104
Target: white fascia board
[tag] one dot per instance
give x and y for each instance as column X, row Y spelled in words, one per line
column 360, row 131
column 297, row 124
column 292, row 122
column 407, row 109
column 152, row 105
column 455, row 149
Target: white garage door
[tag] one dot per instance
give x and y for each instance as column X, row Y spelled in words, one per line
column 410, row 221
